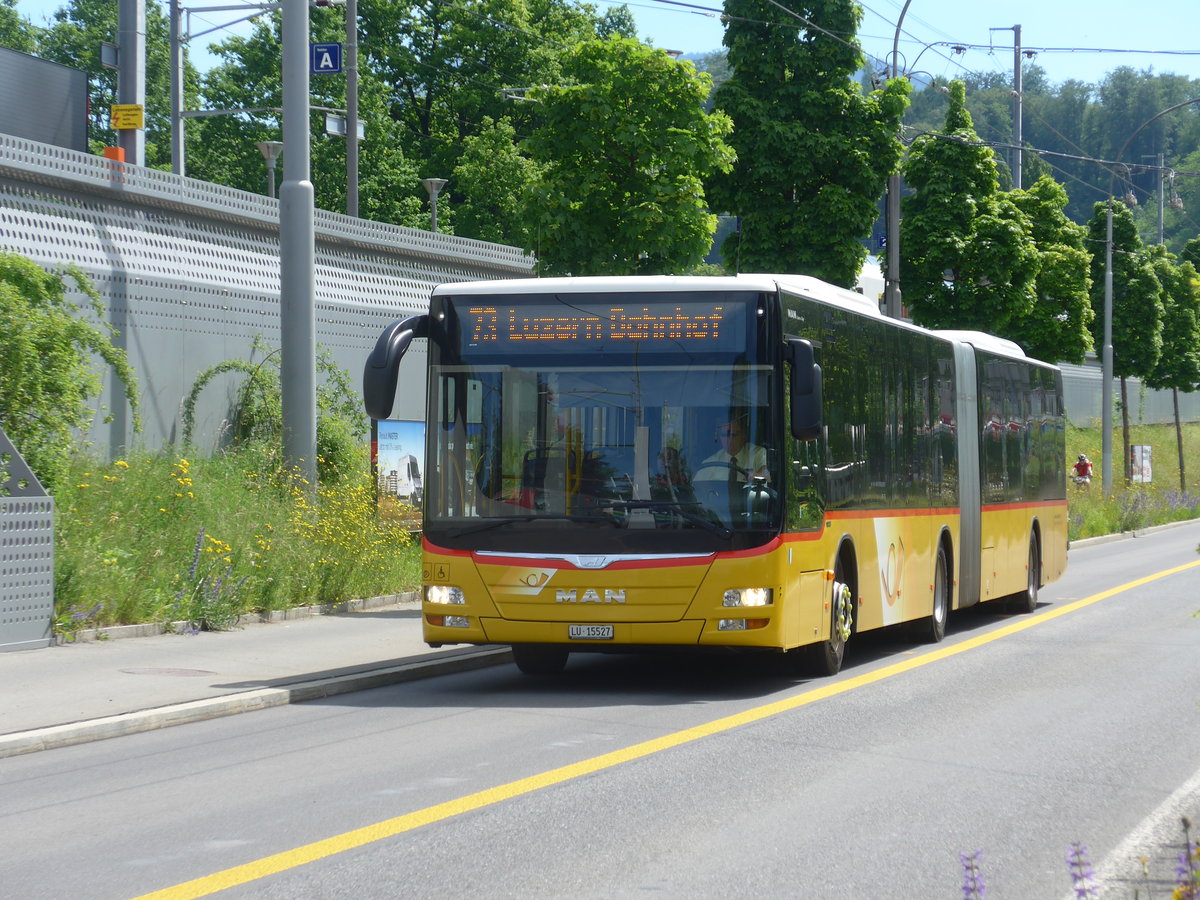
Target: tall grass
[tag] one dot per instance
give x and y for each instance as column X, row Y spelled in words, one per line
column 157, row 538
column 160, row 538
column 1132, row 506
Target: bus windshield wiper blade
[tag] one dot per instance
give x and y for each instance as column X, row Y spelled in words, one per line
column 496, row 523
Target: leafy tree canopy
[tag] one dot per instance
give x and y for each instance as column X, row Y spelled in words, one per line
column 967, row 254
column 623, row 147
column 813, row 151
column 1058, row 327
column 1137, row 308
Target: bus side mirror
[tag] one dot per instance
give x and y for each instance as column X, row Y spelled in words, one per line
column 383, row 364
column 806, row 390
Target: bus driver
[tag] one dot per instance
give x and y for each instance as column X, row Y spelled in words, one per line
column 738, row 459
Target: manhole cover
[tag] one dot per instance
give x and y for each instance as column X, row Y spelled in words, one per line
column 186, row 673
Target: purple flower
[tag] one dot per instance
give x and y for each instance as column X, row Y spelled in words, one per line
column 1081, row 872
column 973, row 886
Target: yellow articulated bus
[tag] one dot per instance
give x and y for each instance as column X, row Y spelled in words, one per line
column 760, row 462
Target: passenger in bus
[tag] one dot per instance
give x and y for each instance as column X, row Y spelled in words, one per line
column 737, row 460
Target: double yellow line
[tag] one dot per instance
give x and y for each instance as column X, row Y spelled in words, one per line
column 290, row 859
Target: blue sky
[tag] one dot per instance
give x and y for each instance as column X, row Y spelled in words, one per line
column 1065, row 35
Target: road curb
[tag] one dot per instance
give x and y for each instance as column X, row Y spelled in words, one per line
column 154, row 629
column 411, row 669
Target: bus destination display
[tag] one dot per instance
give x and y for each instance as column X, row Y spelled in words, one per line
column 554, row 328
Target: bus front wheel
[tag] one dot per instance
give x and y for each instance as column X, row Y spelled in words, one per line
column 826, row 657
column 540, row 659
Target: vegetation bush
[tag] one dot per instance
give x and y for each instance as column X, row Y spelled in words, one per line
column 47, row 383
column 158, row 538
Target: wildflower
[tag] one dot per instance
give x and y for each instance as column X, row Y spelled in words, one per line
column 121, row 464
column 973, row 886
column 1081, row 872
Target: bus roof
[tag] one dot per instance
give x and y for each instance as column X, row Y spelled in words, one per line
column 981, row 340
column 803, row 285
column 797, row 284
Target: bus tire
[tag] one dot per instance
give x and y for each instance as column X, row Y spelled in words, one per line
column 1027, row 600
column 933, row 627
column 540, row 659
column 826, row 657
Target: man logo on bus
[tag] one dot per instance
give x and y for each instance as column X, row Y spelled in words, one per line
column 589, row 596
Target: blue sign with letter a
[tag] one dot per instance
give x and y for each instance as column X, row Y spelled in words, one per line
column 324, row 59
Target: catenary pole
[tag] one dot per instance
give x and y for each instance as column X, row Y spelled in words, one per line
column 297, row 254
column 891, row 284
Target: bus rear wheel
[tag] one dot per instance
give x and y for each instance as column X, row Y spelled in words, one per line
column 1027, row 600
column 540, row 659
column 933, row 628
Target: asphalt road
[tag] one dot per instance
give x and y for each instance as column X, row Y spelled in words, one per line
column 679, row 776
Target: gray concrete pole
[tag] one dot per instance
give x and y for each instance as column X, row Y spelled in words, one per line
column 1106, row 358
column 352, row 108
column 1161, row 190
column 178, row 163
column 1018, row 107
column 891, row 284
column 131, row 77
column 297, row 254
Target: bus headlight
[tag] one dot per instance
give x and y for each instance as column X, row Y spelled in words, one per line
column 443, row 593
column 448, row 621
column 742, row 624
column 749, row 597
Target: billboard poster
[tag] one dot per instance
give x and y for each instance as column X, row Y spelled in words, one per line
column 1142, row 472
column 399, row 457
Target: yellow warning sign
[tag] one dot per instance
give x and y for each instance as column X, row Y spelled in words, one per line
column 127, row 115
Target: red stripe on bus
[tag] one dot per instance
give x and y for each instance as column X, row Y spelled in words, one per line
column 890, row 513
column 1030, row 504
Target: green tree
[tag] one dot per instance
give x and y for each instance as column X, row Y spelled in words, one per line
column 623, row 148
column 47, row 349
column 1058, row 328
column 967, row 254
column 251, row 78
column 813, row 151
column 1178, row 366
column 493, row 179
column 1191, row 252
column 617, row 20
column 16, row 31
column 443, row 67
column 1137, row 307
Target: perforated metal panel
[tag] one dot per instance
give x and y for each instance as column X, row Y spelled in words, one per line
column 189, row 276
column 26, row 572
column 26, row 554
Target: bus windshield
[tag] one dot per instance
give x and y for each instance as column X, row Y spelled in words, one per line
column 667, row 452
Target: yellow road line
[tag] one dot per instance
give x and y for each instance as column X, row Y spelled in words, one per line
column 290, row 859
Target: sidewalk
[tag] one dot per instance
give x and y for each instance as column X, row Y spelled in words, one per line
column 96, row 689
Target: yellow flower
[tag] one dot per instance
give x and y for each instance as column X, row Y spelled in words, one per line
column 121, row 464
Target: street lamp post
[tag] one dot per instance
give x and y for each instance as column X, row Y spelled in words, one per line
column 891, row 284
column 1106, row 359
column 434, row 187
column 270, row 151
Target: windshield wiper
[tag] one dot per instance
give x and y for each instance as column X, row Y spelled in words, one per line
column 496, row 523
